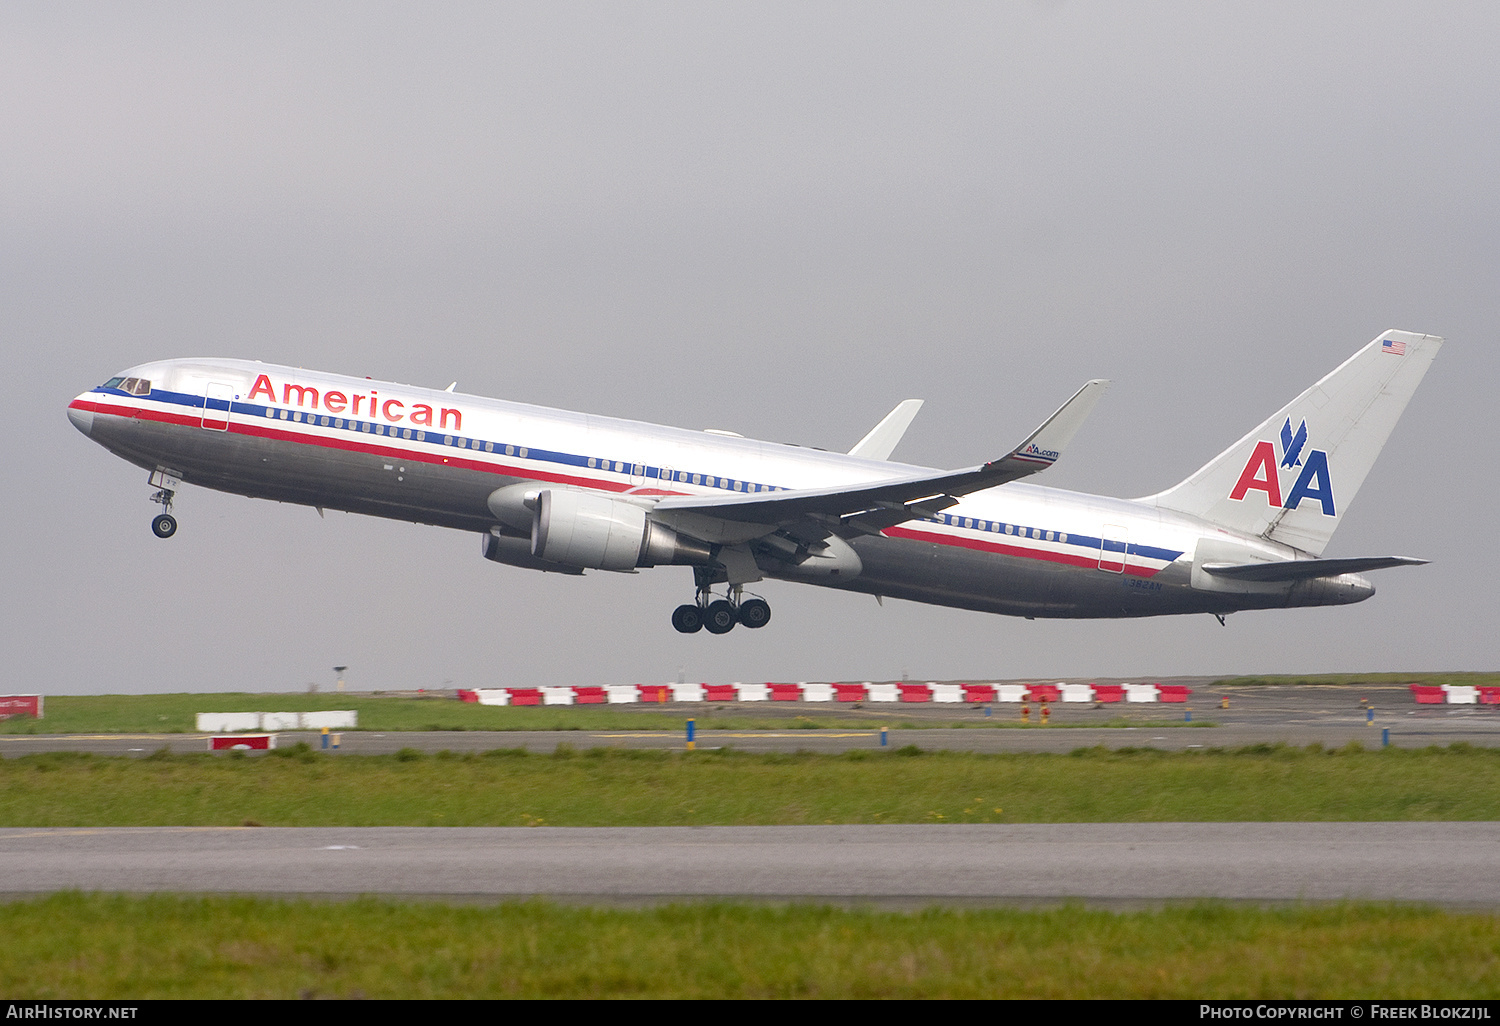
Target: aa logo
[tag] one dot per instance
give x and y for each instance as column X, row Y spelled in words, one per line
column 1262, row 472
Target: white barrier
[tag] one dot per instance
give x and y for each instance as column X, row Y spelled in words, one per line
column 817, row 692
column 333, row 719
column 271, row 722
column 882, row 693
column 493, row 696
column 1140, row 692
column 622, row 694
column 947, row 692
column 557, row 695
column 228, row 723
column 1461, row 694
column 687, row 692
column 752, row 692
column 1077, row 692
column 1010, row 692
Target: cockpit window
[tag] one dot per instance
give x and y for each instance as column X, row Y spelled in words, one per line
column 135, row 386
column 112, row 383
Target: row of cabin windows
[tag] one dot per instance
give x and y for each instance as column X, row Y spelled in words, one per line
column 684, row 476
column 994, row 527
column 389, row 430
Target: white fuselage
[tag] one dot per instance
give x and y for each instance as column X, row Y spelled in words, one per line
column 428, row 456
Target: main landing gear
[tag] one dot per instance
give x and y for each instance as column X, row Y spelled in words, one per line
column 164, row 524
column 718, row 616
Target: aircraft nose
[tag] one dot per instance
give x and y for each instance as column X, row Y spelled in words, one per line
column 82, row 419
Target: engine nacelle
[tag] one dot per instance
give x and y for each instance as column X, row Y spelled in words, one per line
column 588, row 530
column 515, row 550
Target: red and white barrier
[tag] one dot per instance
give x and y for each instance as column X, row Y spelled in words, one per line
column 242, row 742
column 848, row 692
column 20, row 705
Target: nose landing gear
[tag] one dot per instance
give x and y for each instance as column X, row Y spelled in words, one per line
column 164, row 524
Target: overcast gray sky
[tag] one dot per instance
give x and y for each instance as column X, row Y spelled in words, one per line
column 778, row 219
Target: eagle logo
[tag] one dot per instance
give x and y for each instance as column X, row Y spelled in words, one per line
column 1291, row 445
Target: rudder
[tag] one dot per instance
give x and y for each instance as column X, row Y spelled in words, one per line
column 1291, row 479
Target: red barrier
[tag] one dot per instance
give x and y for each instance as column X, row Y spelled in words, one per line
column 979, row 692
column 1489, row 696
column 525, row 696
column 1044, row 693
column 654, row 692
column 1428, row 694
column 20, row 705
column 253, row 742
column 848, row 692
column 720, row 693
column 915, row 692
column 1109, row 692
column 590, row 696
column 465, row 695
column 1172, row 692
column 785, row 692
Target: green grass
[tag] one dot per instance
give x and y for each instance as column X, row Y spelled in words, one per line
column 620, row 787
column 117, row 947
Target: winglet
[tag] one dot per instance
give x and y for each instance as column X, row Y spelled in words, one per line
column 885, row 436
column 1047, row 442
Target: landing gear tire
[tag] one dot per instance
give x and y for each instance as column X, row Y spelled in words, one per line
column 719, row 617
column 164, row 525
column 687, row 619
column 755, row 613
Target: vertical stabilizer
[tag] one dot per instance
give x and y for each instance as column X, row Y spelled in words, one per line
column 1291, row 479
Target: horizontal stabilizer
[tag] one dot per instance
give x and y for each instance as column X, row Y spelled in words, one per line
column 1302, row 569
column 885, row 436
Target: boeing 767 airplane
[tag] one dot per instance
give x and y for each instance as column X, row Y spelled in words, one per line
column 568, row 492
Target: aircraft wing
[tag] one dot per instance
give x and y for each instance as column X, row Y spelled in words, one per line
column 870, row 508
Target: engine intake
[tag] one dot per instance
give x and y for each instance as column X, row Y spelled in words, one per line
column 595, row 531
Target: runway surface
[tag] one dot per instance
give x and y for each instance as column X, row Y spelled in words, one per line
column 1131, row 863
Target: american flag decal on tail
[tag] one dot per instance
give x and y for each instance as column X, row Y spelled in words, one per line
column 1393, row 347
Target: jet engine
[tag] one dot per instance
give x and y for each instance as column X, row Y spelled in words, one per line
column 588, row 530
